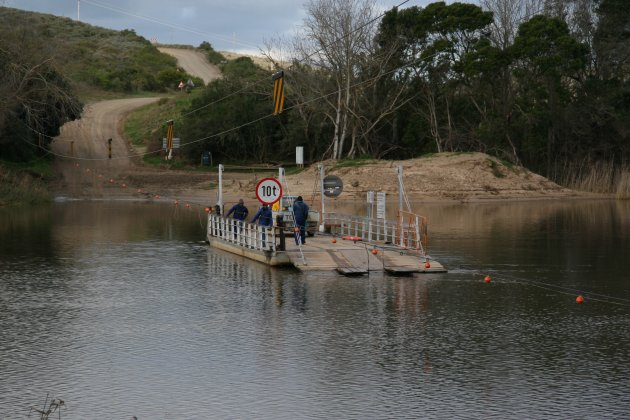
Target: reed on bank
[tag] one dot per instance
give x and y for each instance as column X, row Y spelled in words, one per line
column 603, row 177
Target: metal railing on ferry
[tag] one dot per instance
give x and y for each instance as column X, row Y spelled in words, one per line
column 408, row 231
column 247, row 235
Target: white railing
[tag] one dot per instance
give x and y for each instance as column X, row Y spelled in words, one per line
column 408, row 231
column 248, row 235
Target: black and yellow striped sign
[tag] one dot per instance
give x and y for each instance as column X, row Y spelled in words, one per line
column 278, row 92
column 169, row 134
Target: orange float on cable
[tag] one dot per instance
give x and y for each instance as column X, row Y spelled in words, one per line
column 374, row 251
column 427, row 264
column 579, row 299
column 487, row 279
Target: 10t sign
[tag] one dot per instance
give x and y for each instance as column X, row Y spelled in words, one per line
column 268, row 190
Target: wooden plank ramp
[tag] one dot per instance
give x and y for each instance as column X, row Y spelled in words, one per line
column 352, row 259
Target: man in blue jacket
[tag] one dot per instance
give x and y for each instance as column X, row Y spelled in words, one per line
column 300, row 213
column 265, row 218
column 239, row 210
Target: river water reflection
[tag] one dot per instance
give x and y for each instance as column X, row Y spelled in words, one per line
column 120, row 309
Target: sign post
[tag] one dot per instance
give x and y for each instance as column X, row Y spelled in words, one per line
column 380, row 205
column 333, row 186
column 268, row 191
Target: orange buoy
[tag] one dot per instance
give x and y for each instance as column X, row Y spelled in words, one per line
column 374, row 251
column 334, row 241
column 487, row 279
column 427, row 264
column 579, row 299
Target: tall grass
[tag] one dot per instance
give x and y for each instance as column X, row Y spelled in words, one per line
column 18, row 188
column 604, row 177
column 623, row 185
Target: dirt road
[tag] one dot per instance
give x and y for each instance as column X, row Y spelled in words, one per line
column 84, row 164
column 194, row 62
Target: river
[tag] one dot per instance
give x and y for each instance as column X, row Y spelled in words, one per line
column 120, row 309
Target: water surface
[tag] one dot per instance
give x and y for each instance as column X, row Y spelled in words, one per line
column 120, row 309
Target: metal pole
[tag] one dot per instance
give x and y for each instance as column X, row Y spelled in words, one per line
column 281, row 176
column 220, row 201
column 399, row 171
column 78, row 10
column 320, row 166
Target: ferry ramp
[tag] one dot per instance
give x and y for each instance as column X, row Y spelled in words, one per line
column 349, row 257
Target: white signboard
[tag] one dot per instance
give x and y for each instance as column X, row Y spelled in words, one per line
column 380, row 205
column 370, row 197
column 299, row 155
column 268, row 190
column 176, row 143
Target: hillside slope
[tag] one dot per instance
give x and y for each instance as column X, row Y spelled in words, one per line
column 89, row 56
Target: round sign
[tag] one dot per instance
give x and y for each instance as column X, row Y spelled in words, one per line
column 268, row 190
column 333, row 186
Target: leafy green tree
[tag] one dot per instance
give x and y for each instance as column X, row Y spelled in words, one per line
column 228, row 119
column 432, row 45
column 550, row 64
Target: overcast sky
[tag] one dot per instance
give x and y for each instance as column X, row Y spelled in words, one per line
column 229, row 25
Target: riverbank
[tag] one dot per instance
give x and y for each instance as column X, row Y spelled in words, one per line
column 448, row 177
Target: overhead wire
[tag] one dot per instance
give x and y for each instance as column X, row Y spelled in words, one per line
column 226, row 131
column 220, row 99
column 249, row 86
column 167, row 24
column 119, row 10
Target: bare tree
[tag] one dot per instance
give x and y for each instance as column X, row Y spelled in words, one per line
column 35, row 96
column 337, row 37
column 508, row 15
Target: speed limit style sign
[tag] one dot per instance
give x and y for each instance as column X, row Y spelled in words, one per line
column 268, row 190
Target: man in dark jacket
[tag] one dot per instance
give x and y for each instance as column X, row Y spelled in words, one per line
column 239, row 210
column 264, row 216
column 300, row 212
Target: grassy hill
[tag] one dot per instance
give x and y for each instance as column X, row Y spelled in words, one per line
column 94, row 59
